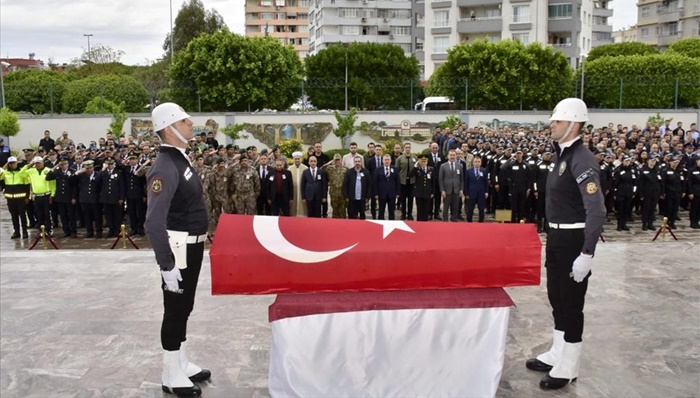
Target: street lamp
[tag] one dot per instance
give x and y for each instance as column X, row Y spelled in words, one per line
column 2, row 82
column 346, row 45
column 89, row 35
column 172, row 58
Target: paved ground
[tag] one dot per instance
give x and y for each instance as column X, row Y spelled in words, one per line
column 84, row 323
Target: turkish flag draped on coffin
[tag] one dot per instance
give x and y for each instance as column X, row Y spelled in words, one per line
column 270, row 255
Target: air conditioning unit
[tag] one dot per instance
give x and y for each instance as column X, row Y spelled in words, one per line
column 386, row 20
column 364, row 19
column 391, row 37
column 364, row 1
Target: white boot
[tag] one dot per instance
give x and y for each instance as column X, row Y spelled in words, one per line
column 193, row 372
column 175, row 380
column 552, row 356
column 567, row 368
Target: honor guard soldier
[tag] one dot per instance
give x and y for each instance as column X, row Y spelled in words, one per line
column 674, row 189
column 89, row 183
column 650, row 188
column 517, row 174
column 42, row 192
column 625, row 186
column 576, row 215
column 15, row 185
column 694, row 192
column 66, row 196
column 424, row 187
column 176, row 225
column 135, row 195
column 112, row 196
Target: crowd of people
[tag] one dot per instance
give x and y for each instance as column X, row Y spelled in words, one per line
column 647, row 172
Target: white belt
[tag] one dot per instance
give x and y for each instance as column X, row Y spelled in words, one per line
column 192, row 239
column 578, row 225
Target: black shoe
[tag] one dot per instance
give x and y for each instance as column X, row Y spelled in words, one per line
column 651, row 226
column 540, row 230
column 460, row 218
column 644, row 228
column 537, row 365
column 625, row 228
column 619, row 229
column 695, row 226
column 132, row 233
column 410, row 218
column 204, row 375
column 98, row 236
column 437, row 218
column 193, row 391
column 90, row 235
column 25, row 235
column 552, row 383
column 672, row 226
column 65, row 236
column 14, row 236
column 73, row 235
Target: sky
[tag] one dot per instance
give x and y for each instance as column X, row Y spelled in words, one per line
column 54, row 29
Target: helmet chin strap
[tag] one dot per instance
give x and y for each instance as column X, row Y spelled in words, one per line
column 568, row 131
column 177, row 134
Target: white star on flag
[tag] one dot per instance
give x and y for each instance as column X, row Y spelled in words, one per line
column 390, row 226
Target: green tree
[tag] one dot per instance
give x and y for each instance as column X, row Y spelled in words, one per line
column 116, row 88
column 192, row 21
column 34, row 90
column 100, row 105
column 9, row 122
column 234, row 131
column 346, row 125
column 690, row 47
column 650, row 81
column 621, row 50
column 380, row 76
column 154, row 77
column 502, row 75
column 229, row 72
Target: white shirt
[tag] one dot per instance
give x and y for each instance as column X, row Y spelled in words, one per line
column 568, row 144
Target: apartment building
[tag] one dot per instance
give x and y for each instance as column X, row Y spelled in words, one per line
column 602, row 30
column 625, row 35
column 663, row 22
column 285, row 20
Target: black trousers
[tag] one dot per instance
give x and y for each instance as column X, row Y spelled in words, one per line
column 423, row 208
column 42, row 213
column 18, row 208
column 324, row 209
column 624, row 210
column 541, row 216
column 406, row 200
column 262, row 207
column 280, row 207
column 437, row 198
column 389, row 202
column 113, row 217
column 695, row 210
column 313, row 208
column 649, row 209
column 566, row 296
column 356, row 209
column 65, row 211
column 31, row 216
column 373, row 207
column 478, row 200
column 54, row 213
column 136, row 209
column 673, row 202
column 519, row 202
column 93, row 217
column 450, row 207
column 177, row 307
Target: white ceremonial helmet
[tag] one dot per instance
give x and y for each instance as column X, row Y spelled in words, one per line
column 166, row 114
column 37, row 159
column 570, row 110
column 12, row 159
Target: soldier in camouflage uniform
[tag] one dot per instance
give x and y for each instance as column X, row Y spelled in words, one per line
column 245, row 185
column 203, row 172
column 336, row 174
column 218, row 192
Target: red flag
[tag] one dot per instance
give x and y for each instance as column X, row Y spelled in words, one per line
column 263, row 255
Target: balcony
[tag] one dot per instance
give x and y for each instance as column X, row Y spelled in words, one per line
column 476, row 25
column 602, row 12
column 601, row 42
column 667, row 39
column 696, row 9
column 562, row 25
column 602, row 28
column 478, row 3
column 667, row 15
column 569, row 50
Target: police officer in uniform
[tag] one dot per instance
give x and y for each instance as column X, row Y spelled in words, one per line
column 625, row 186
column 674, row 190
column 135, row 187
column 89, row 182
column 540, row 188
column 649, row 191
column 694, row 193
column 66, row 196
column 112, row 196
column 15, row 182
column 517, row 174
column 176, row 225
column 424, row 187
column 576, row 214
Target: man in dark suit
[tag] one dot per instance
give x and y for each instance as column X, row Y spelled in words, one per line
column 135, row 194
column 264, row 171
column 66, row 196
column 357, row 188
column 423, row 188
column 112, row 196
column 374, row 163
column 89, row 183
column 451, row 186
column 280, row 189
column 386, row 187
column 314, row 188
column 476, row 189
column 435, row 160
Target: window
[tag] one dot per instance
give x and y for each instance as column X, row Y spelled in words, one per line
column 369, row 13
column 406, row 47
column 254, row 15
column 492, row 13
column 266, row 3
column 602, row 36
column 279, row 3
column 442, row 19
column 441, row 45
column 267, row 15
column 401, row 30
column 350, row 30
column 585, row 16
column 291, row 3
column 400, row 14
column 673, row 29
column 560, row 11
column 303, row 53
column 495, row 38
column 281, row 16
column 419, row 44
column 304, row 29
column 283, row 41
column 304, row 3
column 645, row 12
column 303, row 16
column 521, row 14
column 349, row 12
column 522, row 37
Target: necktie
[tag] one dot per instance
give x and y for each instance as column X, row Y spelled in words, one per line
column 377, row 161
column 386, row 172
column 476, row 172
column 434, row 159
column 262, row 173
column 313, row 173
column 133, row 169
column 452, row 166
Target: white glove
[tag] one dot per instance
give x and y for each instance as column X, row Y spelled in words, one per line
column 581, row 268
column 171, row 279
